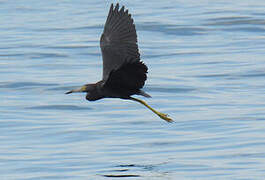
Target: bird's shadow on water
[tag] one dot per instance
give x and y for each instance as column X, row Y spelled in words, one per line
column 121, row 176
column 123, row 170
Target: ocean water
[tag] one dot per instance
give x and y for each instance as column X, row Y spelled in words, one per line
column 206, row 70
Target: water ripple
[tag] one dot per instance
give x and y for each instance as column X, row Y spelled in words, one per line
column 18, row 85
column 235, row 21
column 172, row 29
column 59, row 107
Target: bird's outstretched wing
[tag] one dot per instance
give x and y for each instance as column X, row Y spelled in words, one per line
column 118, row 41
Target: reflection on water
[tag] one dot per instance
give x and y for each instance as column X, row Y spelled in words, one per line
column 121, row 176
column 206, row 69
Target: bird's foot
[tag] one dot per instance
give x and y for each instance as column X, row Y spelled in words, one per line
column 165, row 117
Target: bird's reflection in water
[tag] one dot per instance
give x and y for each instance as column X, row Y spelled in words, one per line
column 126, row 175
column 121, row 169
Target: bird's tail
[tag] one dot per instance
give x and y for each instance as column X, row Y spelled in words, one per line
column 142, row 93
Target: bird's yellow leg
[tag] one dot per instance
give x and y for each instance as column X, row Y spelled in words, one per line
column 161, row 115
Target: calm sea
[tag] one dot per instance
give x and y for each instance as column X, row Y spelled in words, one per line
column 206, row 64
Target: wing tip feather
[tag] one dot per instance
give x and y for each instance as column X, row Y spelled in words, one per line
column 116, row 9
column 122, row 9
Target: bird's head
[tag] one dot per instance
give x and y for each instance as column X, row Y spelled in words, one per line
column 90, row 89
column 85, row 88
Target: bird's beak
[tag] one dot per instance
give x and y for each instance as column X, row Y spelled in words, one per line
column 82, row 89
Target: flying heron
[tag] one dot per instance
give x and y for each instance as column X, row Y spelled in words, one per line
column 123, row 73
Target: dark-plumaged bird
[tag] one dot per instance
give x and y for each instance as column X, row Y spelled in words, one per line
column 124, row 74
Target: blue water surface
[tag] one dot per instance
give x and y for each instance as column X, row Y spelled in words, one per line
column 206, row 70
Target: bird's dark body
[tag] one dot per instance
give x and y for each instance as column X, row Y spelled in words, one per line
column 122, row 83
